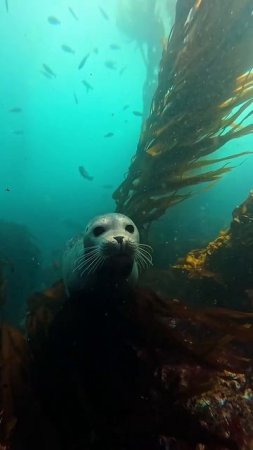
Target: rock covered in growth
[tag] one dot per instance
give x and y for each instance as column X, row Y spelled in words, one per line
column 128, row 370
column 21, row 260
column 219, row 274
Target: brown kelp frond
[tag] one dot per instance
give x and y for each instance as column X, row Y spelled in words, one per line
column 14, row 376
column 215, row 337
column 203, row 101
column 208, row 162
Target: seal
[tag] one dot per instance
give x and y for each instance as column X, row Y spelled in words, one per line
column 108, row 252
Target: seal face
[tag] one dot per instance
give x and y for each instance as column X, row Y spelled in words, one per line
column 106, row 253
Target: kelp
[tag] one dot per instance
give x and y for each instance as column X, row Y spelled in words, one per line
column 171, row 372
column 133, row 368
column 15, row 391
column 205, row 90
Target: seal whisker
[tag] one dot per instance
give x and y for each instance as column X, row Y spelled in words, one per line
column 89, row 261
column 86, row 255
column 87, row 264
column 147, row 262
column 139, row 262
column 79, row 261
column 145, row 245
column 144, row 263
column 90, row 267
column 146, row 258
column 144, row 252
column 80, row 266
column 96, row 265
column 143, row 258
column 82, row 262
column 91, row 247
column 91, row 255
column 83, row 257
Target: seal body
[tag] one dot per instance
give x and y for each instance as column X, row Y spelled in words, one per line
column 103, row 255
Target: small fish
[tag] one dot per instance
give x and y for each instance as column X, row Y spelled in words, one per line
column 46, row 74
column 67, row 49
column 83, row 172
column 15, row 110
column 18, row 132
column 110, row 65
column 53, row 20
column 115, row 46
column 125, row 107
column 6, row 5
column 7, row 189
column 109, row 135
column 76, row 99
column 83, row 61
column 87, row 85
column 73, row 13
column 107, row 186
column 137, row 113
column 95, row 50
column 122, row 70
column 103, row 13
column 49, row 70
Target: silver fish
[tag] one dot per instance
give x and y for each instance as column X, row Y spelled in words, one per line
column 87, row 85
column 73, row 13
column 110, row 65
column 49, row 70
column 67, row 49
column 83, row 172
column 83, row 61
column 15, row 110
column 103, row 13
column 53, row 20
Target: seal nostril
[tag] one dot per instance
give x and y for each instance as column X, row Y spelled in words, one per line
column 119, row 239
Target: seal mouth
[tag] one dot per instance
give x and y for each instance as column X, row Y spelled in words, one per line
column 121, row 258
column 118, row 249
column 120, row 264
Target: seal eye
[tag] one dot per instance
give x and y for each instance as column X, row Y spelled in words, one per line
column 130, row 229
column 98, row 230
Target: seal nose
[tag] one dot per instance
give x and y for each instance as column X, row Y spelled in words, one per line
column 119, row 239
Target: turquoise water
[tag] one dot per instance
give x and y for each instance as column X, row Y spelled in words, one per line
column 40, row 166
column 61, row 126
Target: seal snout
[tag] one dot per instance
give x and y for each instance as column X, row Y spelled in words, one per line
column 119, row 239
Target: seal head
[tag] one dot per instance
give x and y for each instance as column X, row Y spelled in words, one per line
column 105, row 254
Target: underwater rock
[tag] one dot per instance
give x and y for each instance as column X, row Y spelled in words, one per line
column 127, row 370
column 20, row 258
column 219, row 274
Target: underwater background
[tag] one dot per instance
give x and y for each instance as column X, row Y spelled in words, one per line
column 51, row 124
